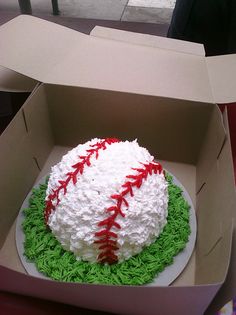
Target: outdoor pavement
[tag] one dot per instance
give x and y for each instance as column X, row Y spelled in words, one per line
column 147, row 11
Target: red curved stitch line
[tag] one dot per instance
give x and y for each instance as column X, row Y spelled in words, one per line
column 79, row 168
column 107, row 245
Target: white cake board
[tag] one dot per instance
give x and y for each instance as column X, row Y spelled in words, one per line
column 165, row 278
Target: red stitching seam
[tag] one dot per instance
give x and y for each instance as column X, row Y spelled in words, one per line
column 72, row 176
column 108, row 246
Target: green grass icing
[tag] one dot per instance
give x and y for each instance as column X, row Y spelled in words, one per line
column 42, row 248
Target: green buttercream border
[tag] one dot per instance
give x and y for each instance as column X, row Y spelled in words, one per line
column 42, row 248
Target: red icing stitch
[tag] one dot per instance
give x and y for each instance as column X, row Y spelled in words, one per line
column 107, row 245
column 72, row 176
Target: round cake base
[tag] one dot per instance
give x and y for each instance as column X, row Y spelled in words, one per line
column 164, row 278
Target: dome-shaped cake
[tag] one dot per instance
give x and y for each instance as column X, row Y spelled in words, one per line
column 106, row 200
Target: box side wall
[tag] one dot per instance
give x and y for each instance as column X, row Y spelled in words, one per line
column 37, row 119
column 23, row 151
column 158, row 123
column 228, row 290
column 216, row 205
column 17, row 169
column 135, row 300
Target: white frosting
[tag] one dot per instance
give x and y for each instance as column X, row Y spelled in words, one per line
column 75, row 219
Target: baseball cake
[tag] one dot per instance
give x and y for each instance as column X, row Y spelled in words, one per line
column 108, row 213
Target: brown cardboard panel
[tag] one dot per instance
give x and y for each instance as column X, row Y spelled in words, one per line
column 18, row 171
column 135, row 300
column 169, row 128
column 80, row 60
column 228, row 290
column 217, row 259
column 149, row 40
column 37, row 121
column 37, row 53
column 11, row 81
column 222, row 71
column 25, row 145
column 221, row 68
column 216, row 207
column 213, row 142
column 136, row 68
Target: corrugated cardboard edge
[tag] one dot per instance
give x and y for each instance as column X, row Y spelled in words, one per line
column 221, row 70
column 149, row 40
column 11, row 81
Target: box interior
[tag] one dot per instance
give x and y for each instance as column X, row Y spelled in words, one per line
column 56, row 117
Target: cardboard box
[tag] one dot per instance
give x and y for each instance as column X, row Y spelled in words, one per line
column 94, row 87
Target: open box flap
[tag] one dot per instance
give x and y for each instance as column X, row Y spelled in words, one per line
column 54, row 54
column 149, row 40
column 11, row 81
column 222, row 71
column 32, row 46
